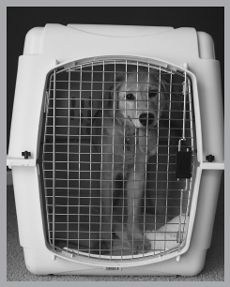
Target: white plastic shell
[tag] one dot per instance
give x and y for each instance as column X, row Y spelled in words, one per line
column 45, row 48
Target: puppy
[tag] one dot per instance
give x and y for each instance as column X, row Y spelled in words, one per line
column 125, row 132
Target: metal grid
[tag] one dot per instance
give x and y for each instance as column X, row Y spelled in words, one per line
column 90, row 167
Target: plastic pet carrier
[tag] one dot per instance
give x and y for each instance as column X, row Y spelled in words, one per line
column 116, row 149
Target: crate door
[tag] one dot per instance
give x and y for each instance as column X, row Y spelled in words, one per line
column 117, row 120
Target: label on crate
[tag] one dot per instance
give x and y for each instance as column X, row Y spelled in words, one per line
column 109, row 268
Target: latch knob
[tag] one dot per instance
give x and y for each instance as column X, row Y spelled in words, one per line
column 210, row 158
column 26, row 154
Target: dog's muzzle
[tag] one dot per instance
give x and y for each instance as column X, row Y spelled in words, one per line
column 146, row 119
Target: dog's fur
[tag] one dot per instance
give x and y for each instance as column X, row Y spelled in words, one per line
column 125, row 131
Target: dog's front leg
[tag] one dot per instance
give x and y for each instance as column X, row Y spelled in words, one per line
column 134, row 187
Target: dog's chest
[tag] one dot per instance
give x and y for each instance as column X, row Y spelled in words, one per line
column 127, row 148
column 130, row 144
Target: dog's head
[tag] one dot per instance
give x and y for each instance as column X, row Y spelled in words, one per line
column 139, row 97
column 136, row 99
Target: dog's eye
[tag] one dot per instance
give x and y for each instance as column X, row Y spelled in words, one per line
column 153, row 94
column 130, row 97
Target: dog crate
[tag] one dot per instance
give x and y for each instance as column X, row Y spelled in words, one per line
column 117, row 126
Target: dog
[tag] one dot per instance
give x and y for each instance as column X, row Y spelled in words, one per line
column 125, row 133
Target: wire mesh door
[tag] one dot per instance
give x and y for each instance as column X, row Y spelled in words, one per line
column 117, row 159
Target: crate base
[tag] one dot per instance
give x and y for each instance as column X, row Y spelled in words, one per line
column 189, row 264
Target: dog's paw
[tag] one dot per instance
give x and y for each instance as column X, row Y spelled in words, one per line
column 105, row 247
column 141, row 246
column 101, row 248
column 106, row 242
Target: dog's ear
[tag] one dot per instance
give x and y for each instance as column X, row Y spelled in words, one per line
column 111, row 89
column 152, row 142
column 147, row 143
column 161, row 80
column 164, row 92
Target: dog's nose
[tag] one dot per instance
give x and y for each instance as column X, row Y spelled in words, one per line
column 146, row 119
